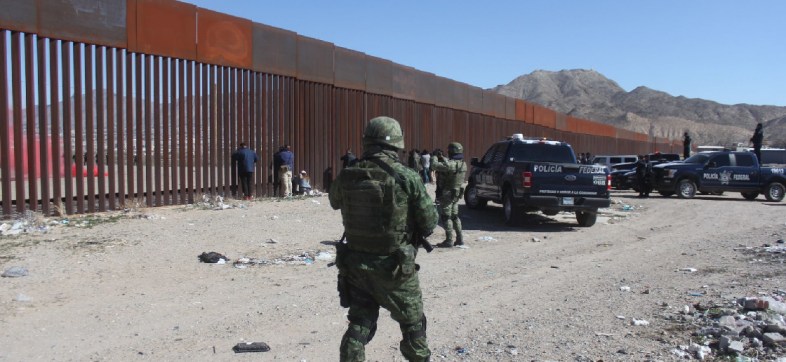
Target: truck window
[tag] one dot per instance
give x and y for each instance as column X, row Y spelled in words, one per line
column 721, row 160
column 745, row 160
column 615, row 160
column 488, row 156
column 542, row 153
column 697, row 158
column 499, row 153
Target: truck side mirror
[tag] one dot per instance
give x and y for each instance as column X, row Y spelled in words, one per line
column 475, row 162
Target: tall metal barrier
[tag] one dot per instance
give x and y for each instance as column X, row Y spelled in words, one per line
column 130, row 102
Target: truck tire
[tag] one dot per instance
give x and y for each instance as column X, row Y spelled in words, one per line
column 586, row 218
column 774, row 191
column 686, row 189
column 750, row 195
column 471, row 198
column 510, row 211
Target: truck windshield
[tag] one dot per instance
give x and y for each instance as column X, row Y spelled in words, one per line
column 698, row 158
column 542, row 153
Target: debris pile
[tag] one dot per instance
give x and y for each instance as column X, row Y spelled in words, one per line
column 749, row 328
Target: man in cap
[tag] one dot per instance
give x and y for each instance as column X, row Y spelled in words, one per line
column 450, row 175
column 383, row 203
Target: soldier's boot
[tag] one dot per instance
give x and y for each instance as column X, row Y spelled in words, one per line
column 445, row 244
column 448, row 243
column 357, row 336
column 414, row 346
column 459, row 233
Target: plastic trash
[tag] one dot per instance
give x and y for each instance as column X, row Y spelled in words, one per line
column 324, row 255
column 23, row 298
column 486, row 238
column 15, row 272
column 639, row 322
column 689, row 270
column 625, row 288
column 251, row 347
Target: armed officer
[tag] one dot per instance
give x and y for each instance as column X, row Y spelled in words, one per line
column 450, row 176
column 384, row 205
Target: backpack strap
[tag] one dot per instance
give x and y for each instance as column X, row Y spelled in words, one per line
column 399, row 179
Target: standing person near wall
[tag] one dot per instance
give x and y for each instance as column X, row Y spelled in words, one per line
column 450, row 175
column 756, row 140
column 686, row 141
column 425, row 163
column 376, row 265
column 284, row 163
column 245, row 160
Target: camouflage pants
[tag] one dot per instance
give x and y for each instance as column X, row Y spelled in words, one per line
column 448, row 213
column 374, row 282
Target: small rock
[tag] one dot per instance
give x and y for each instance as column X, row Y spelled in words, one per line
column 23, row 298
column 736, row 347
column 625, row 288
column 689, row 270
column 773, row 339
column 15, row 272
column 535, row 240
column 639, row 322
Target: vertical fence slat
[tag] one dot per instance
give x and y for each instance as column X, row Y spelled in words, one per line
column 111, row 96
column 166, row 103
column 32, row 169
column 90, row 129
column 43, row 135
column 156, row 98
column 199, row 106
column 16, row 90
column 139, row 149
column 5, row 146
column 79, row 133
column 181, row 116
column 55, row 119
column 66, row 50
column 129, row 125
column 189, row 130
column 100, row 128
column 150, row 190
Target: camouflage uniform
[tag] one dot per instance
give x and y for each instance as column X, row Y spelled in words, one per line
column 370, row 278
column 451, row 173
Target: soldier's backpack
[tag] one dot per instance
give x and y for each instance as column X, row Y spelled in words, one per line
column 374, row 210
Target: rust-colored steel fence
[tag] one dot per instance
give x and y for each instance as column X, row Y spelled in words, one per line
column 98, row 119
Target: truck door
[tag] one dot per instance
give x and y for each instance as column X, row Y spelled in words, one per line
column 496, row 171
column 745, row 173
column 484, row 178
column 717, row 172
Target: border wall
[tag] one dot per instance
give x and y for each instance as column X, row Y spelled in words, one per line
column 108, row 104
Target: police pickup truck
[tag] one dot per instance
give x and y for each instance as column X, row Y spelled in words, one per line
column 713, row 172
column 537, row 175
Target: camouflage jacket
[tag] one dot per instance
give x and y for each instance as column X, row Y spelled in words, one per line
column 450, row 173
column 422, row 216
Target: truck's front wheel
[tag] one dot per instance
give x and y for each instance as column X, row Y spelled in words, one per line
column 511, row 212
column 774, row 191
column 471, row 198
column 586, row 218
column 686, row 189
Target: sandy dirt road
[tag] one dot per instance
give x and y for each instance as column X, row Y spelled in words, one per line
column 128, row 286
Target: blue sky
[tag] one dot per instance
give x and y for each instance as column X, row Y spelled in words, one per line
column 727, row 51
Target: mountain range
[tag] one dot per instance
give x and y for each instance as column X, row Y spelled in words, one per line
column 590, row 95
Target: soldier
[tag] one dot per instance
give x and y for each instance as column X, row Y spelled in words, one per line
column 450, row 173
column 686, row 141
column 756, row 140
column 642, row 175
column 383, row 203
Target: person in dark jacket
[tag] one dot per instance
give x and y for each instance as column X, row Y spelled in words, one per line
column 686, row 141
column 284, row 163
column 756, row 140
column 245, row 160
column 642, row 175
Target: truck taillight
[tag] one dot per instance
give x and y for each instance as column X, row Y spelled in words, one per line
column 526, row 179
column 608, row 182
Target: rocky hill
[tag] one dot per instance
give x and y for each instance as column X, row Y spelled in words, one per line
column 588, row 94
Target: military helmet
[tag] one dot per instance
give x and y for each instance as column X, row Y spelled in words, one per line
column 384, row 131
column 455, row 148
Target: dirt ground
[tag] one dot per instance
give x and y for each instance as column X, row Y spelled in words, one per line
column 128, row 286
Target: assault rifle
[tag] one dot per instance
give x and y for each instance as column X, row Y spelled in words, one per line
column 419, row 240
